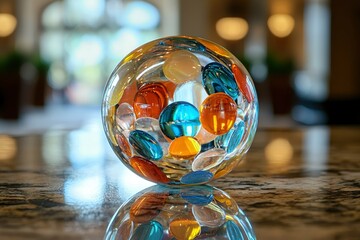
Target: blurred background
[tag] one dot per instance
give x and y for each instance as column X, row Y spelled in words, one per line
column 55, row 56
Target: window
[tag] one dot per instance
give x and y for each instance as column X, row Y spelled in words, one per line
column 85, row 39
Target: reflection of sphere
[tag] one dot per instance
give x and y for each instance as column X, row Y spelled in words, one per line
column 163, row 213
column 180, row 111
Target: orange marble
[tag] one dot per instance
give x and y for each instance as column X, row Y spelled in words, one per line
column 147, row 207
column 150, row 100
column 184, row 228
column 218, row 113
column 240, row 78
column 184, row 147
column 148, row 169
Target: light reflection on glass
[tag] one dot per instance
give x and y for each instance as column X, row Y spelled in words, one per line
column 279, row 152
column 8, row 147
column 196, row 212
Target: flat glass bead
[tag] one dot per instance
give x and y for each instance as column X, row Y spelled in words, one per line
column 208, row 160
column 240, row 78
column 197, row 177
column 147, row 207
column 148, row 170
column 218, row 113
column 145, row 145
column 198, row 195
column 231, row 139
column 218, row 78
column 152, row 230
column 123, row 143
column 125, row 116
column 233, row 231
column 184, row 147
column 184, row 228
column 192, row 92
column 185, row 43
column 181, row 66
column 150, row 100
column 210, row 215
column 179, row 119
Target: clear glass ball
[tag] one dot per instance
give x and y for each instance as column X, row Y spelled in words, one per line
column 168, row 213
column 180, row 111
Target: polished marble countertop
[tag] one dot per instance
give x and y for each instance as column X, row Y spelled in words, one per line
column 295, row 183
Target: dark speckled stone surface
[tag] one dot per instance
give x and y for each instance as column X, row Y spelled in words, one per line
column 301, row 183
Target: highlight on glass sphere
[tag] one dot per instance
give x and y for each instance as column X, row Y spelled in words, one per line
column 180, row 111
column 165, row 213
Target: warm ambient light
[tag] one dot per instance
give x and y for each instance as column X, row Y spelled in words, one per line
column 232, row 28
column 281, row 25
column 279, row 152
column 7, row 23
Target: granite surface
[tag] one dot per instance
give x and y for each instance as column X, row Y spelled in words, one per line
column 301, row 183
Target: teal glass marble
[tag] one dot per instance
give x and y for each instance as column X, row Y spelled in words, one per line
column 145, row 145
column 177, row 102
column 180, row 119
column 150, row 213
column 148, row 231
column 217, row 78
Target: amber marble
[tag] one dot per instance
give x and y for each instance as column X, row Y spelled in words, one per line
column 295, row 183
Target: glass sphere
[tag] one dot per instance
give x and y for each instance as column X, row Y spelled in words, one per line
column 180, row 111
column 164, row 213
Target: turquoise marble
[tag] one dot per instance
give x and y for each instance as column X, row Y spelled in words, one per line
column 180, row 119
column 145, row 145
column 218, row 78
column 152, row 230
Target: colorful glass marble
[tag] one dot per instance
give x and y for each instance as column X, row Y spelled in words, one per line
column 148, row 170
column 241, row 81
column 179, row 119
column 148, row 231
column 182, row 66
column 173, row 103
column 167, row 213
column 197, row 177
column 208, row 159
column 145, row 145
column 150, row 100
column 125, row 117
column 184, row 228
column 184, row 147
column 218, row 78
column 218, row 113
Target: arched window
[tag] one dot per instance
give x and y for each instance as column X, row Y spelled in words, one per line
column 85, row 39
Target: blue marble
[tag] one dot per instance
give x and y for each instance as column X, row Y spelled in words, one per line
column 180, row 119
column 231, row 139
column 199, row 195
column 197, row 177
column 218, row 78
column 233, row 231
column 145, row 145
column 152, row 230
